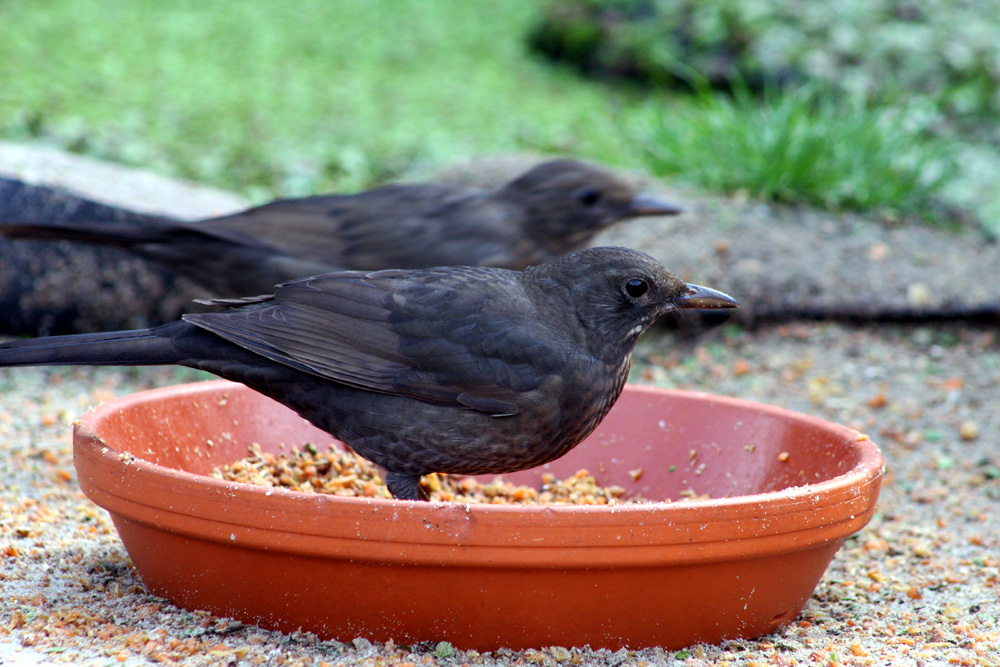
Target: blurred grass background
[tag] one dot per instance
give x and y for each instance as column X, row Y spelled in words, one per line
column 286, row 99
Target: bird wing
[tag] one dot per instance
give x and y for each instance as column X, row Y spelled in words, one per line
column 455, row 337
column 407, row 226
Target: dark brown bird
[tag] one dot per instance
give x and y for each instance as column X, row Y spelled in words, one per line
column 550, row 210
column 463, row 370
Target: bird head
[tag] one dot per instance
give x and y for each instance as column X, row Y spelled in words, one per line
column 567, row 202
column 618, row 293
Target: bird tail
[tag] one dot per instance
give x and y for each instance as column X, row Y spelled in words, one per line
column 141, row 347
column 122, row 234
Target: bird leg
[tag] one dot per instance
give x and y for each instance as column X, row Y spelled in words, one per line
column 404, row 486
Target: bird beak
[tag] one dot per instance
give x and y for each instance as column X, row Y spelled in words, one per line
column 649, row 205
column 705, row 297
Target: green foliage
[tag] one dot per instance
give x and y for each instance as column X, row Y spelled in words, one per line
column 279, row 99
column 289, row 98
column 879, row 49
column 801, row 147
column 901, row 69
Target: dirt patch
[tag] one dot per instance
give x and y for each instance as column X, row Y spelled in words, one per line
column 58, row 287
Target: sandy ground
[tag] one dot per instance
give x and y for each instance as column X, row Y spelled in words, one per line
column 919, row 586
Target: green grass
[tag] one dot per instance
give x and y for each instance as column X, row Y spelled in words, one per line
column 290, row 97
column 285, row 99
column 801, row 147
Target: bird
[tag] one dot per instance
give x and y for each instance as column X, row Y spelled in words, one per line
column 550, row 210
column 467, row 370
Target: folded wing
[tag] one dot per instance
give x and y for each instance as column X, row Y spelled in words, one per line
column 423, row 335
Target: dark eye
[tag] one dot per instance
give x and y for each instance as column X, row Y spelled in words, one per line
column 636, row 287
column 589, row 196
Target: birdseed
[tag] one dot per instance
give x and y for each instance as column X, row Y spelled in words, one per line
column 344, row 473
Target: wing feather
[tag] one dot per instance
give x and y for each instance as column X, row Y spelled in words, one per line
column 421, row 334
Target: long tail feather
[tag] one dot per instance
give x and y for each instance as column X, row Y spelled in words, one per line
column 141, row 347
column 125, row 234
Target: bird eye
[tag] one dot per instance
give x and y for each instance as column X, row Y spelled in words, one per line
column 589, row 196
column 636, row 287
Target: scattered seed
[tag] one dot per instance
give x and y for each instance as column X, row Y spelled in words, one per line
column 969, row 430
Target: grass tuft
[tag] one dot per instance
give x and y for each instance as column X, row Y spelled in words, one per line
column 804, row 146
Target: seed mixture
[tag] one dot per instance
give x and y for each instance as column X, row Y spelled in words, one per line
column 344, row 473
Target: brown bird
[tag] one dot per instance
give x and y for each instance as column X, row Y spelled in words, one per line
column 550, row 210
column 462, row 370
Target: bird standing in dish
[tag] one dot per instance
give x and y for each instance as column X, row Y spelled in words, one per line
column 456, row 369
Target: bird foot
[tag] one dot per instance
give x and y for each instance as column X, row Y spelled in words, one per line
column 405, row 487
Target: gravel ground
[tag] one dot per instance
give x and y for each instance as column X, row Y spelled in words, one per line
column 919, row 586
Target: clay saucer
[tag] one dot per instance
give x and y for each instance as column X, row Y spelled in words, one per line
column 786, row 490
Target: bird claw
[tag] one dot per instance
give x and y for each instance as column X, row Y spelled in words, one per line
column 404, row 486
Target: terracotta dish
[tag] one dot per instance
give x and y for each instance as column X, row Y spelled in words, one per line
column 786, row 490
